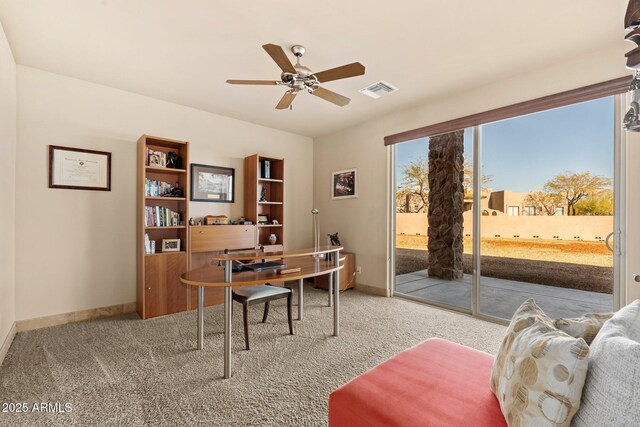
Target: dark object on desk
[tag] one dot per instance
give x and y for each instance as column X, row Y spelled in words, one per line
column 269, row 265
column 237, row 266
column 335, row 241
column 174, row 161
column 257, row 294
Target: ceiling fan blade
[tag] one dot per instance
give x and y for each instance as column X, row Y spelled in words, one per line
column 277, row 54
column 327, row 95
column 252, row 82
column 350, row 70
column 286, row 100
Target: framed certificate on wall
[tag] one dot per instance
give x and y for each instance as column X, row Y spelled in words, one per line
column 79, row 169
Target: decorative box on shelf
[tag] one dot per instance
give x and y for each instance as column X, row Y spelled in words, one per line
column 216, row 220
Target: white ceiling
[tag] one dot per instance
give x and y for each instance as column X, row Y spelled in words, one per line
column 183, row 51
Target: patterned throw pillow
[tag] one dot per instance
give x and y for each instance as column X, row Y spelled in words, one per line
column 539, row 371
column 585, row 327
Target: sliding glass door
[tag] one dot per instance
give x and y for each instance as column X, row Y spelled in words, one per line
column 433, row 250
column 540, row 190
column 547, row 209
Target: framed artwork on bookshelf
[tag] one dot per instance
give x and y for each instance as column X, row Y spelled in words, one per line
column 170, row 245
column 344, row 184
column 212, row 183
column 79, row 169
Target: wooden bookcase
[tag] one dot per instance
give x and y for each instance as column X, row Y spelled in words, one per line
column 158, row 288
column 273, row 207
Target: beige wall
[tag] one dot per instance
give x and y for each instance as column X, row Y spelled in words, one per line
column 8, row 140
column 363, row 222
column 593, row 228
column 75, row 249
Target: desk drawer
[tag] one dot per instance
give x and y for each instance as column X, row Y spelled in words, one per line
column 220, row 237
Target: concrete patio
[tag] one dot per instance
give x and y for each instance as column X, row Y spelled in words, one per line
column 500, row 298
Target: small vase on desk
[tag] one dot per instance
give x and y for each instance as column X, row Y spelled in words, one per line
column 273, row 239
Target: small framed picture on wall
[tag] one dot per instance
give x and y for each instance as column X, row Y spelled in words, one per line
column 344, row 184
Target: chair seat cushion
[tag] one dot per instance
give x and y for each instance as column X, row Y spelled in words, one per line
column 252, row 293
column 436, row 383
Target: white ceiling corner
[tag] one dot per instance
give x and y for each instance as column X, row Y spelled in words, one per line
column 184, row 51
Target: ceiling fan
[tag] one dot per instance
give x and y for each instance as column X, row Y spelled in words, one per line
column 299, row 77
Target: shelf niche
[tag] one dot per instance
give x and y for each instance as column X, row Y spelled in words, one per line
column 274, row 200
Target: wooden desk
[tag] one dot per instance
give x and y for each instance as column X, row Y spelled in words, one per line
column 306, row 259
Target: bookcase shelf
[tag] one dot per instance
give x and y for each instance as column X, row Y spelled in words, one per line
column 156, row 169
column 158, row 287
column 166, row 199
column 273, row 184
column 165, row 253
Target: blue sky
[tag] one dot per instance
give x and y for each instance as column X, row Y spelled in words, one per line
column 525, row 152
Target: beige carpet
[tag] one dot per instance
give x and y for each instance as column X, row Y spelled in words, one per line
column 126, row 372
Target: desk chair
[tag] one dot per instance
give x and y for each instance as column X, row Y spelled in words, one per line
column 257, row 294
column 250, row 295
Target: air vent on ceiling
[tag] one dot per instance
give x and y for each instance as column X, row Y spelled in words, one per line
column 378, row 89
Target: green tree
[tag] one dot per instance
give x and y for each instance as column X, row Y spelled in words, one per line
column 414, row 187
column 546, row 202
column 599, row 204
column 574, row 187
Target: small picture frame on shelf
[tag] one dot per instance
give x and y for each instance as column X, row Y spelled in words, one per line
column 154, row 160
column 170, row 245
column 263, row 219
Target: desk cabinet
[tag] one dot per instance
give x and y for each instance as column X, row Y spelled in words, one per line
column 207, row 240
column 347, row 274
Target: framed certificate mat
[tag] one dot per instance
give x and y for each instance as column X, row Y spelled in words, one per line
column 78, row 169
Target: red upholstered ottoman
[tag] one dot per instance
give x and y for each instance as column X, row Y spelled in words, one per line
column 436, row 383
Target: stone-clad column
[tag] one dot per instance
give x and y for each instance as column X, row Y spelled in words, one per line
column 446, row 204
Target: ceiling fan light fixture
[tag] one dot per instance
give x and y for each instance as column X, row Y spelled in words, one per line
column 299, row 77
column 303, row 70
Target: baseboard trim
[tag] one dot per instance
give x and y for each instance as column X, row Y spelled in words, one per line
column 372, row 290
column 7, row 342
column 75, row 316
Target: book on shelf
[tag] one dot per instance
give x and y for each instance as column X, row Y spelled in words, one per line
column 149, row 245
column 157, row 216
column 155, row 188
column 265, row 166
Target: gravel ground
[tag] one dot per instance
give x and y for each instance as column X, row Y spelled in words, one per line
column 561, row 274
